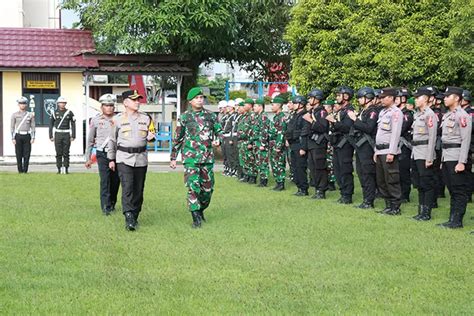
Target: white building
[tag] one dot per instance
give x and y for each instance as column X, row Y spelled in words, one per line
column 30, row 13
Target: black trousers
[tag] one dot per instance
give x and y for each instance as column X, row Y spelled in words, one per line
column 458, row 186
column 62, row 143
column 365, row 167
column 22, row 151
column 439, row 178
column 109, row 182
column 404, row 162
column 318, row 168
column 300, row 164
column 133, row 184
column 425, row 183
column 231, row 153
column 388, row 179
column 343, row 169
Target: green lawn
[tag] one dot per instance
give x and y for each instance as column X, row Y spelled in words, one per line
column 259, row 252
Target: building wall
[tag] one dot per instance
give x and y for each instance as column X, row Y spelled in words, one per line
column 71, row 88
column 11, row 13
column 29, row 13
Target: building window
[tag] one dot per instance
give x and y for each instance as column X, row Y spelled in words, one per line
column 44, row 89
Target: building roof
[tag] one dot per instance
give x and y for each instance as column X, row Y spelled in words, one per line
column 45, row 48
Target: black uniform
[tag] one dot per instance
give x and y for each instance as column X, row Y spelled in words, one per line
column 439, row 179
column 64, row 124
column 343, row 152
column 315, row 143
column 293, row 135
column 364, row 131
column 469, row 110
column 405, row 157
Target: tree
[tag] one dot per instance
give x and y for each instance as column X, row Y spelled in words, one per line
column 249, row 32
column 381, row 43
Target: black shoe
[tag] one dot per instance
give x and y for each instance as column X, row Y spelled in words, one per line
column 263, row 183
column 59, row 171
column 319, row 195
column 252, row 180
column 196, row 219
column 66, row 170
column 365, row 205
column 280, row 186
column 453, row 225
column 130, row 223
column 244, row 179
column 106, row 212
column 331, row 186
column 302, row 193
column 395, row 210
column 417, row 216
column 444, row 224
column 345, row 200
column 425, row 213
column 434, row 205
column 201, row 214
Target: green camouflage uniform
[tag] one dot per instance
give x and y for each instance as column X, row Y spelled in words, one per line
column 277, row 142
column 246, row 155
column 260, row 138
column 194, row 135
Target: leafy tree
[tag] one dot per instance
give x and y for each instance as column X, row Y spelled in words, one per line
column 249, row 32
column 381, row 43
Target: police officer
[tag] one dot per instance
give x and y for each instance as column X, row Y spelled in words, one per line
column 466, row 106
column 315, row 134
column 343, row 150
column 62, row 131
column 127, row 151
column 298, row 154
column 435, row 102
column 363, row 134
column 230, row 140
column 222, row 117
column 425, row 128
column 100, row 131
column 404, row 159
column 277, row 144
column 23, row 134
column 389, row 127
column 456, row 140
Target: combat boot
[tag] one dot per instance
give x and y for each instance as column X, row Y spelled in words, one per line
column 425, row 213
column 66, row 170
column 130, row 224
column 201, row 214
column 243, row 178
column 252, row 180
column 420, row 211
column 319, row 195
column 451, row 215
column 280, row 186
column 345, row 199
column 365, row 205
column 263, row 183
column 387, row 208
column 302, row 192
column 457, row 221
column 394, row 210
column 196, row 220
column 59, row 170
column 331, row 186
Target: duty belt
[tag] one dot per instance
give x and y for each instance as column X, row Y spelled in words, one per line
column 132, row 150
column 23, row 133
column 382, row 146
column 227, row 135
column 419, row 142
column 62, row 130
column 446, row 146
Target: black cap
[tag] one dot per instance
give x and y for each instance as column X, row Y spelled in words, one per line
column 453, row 90
column 422, row 91
column 466, row 95
column 131, row 94
column 388, row 92
column 403, row 92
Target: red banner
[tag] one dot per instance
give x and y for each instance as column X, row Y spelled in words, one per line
column 136, row 83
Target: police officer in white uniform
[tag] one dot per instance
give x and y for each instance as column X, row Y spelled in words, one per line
column 23, row 134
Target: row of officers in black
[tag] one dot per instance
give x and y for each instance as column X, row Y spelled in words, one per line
column 395, row 148
column 62, row 131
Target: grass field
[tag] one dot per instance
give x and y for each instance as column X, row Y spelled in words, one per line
column 259, row 252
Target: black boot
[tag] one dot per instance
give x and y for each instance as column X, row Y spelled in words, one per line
column 59, row 170
column 451, row 215
column 425, row 213
column 394, row 209
column 252, row 180
column 244, row 178
column 263, row 183
column 66, row 170
column 201, row 213
column 366, row 205
column 130, row 223
column 345, row 199
column 420, row 211
column 387, row 208
column 319, row 195
column 280, row 186
column 196, row 219
column 331, row 186
column 302, row 192
column 456, row 221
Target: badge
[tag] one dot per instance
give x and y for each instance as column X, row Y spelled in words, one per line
column 430, row 121
column 372, row 115
column 463, row 121
column 385, row 125
column 421, row 130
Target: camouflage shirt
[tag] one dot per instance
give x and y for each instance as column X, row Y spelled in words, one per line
column 194, row 135
column 277, row 130
column 260, row 130
column 243, row 126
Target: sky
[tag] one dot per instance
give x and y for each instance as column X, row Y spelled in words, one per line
column 68, row 17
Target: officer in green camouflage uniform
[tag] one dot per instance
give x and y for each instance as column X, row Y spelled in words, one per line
column 260, row 140
column 277, row 144
column 245, row 146
column 197, row 131
column 250, row 159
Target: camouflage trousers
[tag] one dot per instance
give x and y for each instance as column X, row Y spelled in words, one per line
column 247, row 159
column 261, row 162
column 329, row 157
column 278, row 163
column 242, row 145
column 199, row 180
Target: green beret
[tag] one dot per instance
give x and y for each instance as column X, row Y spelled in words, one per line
column 241, row 103
column 278, row 100
column 260, row 101
column 194, row 92
column 249, row 101
column 411, row 101
column 329, row 102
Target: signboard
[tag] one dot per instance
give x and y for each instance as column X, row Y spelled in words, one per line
column 36, row 84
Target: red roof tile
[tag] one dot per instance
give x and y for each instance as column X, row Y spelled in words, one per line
column 45, row 48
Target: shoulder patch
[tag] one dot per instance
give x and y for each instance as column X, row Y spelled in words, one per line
column 430, row 121
column 463, row 121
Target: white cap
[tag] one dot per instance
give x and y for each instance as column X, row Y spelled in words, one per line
column 222, row 104
column 238, row 100
column 22, row 100
column 231, row 103
column 108, row 99
column 61, row 99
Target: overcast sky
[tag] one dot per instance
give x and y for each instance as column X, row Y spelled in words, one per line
column 68, row 17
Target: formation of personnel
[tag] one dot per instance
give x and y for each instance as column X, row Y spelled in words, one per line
column 398, row 141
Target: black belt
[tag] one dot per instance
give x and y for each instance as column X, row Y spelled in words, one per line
column 382, row 146
column 419, row 142
column 446, row 146
column 132, row 150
